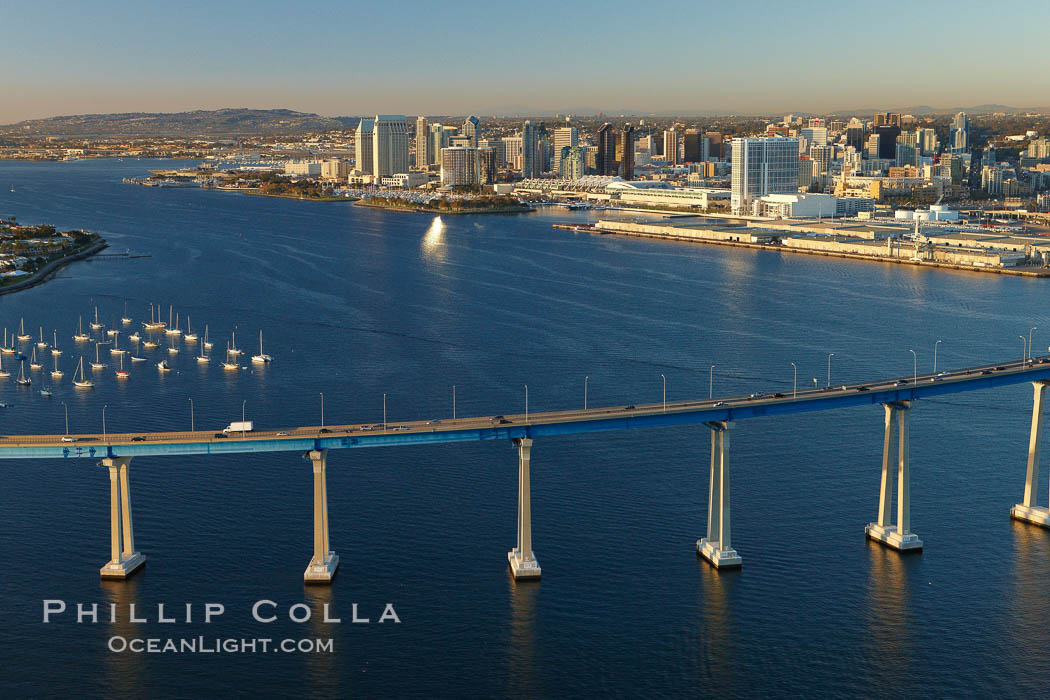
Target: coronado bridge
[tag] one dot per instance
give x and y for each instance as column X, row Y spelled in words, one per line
column 897, row 395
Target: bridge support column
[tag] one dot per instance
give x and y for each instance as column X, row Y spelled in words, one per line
column 717, row 547
column 523, row 562
column 324, row 562
column 1029, row 510
column 123, row 559
column 897, row 536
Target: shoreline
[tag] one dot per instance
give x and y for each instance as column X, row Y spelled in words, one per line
column 442, row 212
column 1037, row 273
column 48, row 270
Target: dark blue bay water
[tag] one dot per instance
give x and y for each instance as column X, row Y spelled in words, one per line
column 357, row 303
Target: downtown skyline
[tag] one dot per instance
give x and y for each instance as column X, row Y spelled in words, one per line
column 334, row 61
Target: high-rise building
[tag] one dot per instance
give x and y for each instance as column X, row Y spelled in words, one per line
column 714, row 140
column 497, row 147
column 530, row 155
column 855, row 136
column 572, row 163
column 694, row 146
column 927, row 141
column 438, row 140
column 887, row 119
column 363, row 138
column 472, row 129
column 512, row 151
column 821, row 158
column 873, row 145
column 467, row 166
column 605, row 159
column 422, row 141
column 671, row 146
column 992, row 179
column 907, row 154
column 960, row 133
column 815, row 135
column 806, row 174
column 627, row 148
column 390, row 145
column 888, row 134
column 565, row 137
column 762, row 166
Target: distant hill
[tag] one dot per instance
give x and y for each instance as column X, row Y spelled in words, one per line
column 217, row 122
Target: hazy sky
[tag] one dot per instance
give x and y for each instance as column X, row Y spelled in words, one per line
column 529, row 56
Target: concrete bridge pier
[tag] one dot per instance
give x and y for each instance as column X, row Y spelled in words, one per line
column 523, row 562
column 324, row 563
column 123, row 559
column 1029, row 510
column 897, row 536
column 717, row 547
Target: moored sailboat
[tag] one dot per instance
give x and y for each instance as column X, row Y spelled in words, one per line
column 33, row 364
column 22, row 378
column 22, row 335
column 122, row 373
column 227, row 364
column 56, row 373
column 190, row 336
column 4, row 374
column 232, row 348
column 83, row 382
column 81, row 336
column 97, row 364
column 8, row 349
column 153, row 324
column 54, row 348
column 95, row 325
column 261, row 358
column 42, row 343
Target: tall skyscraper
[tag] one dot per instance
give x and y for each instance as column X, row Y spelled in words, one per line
column 714, row 139
column 512, row 151
column 928, row 142
column 887, row 119
column 605, row 159
column 627, row 149
column 422, row 143
column 472, row 128
column 530, row 156
column 438, row 140
column 960, row 133
column 855, row 136
column 694, row 146
column 363, row 146
column 888, row 134
column 670, row 146
column 565, row 137
column 390, row 145
column 762, row 166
